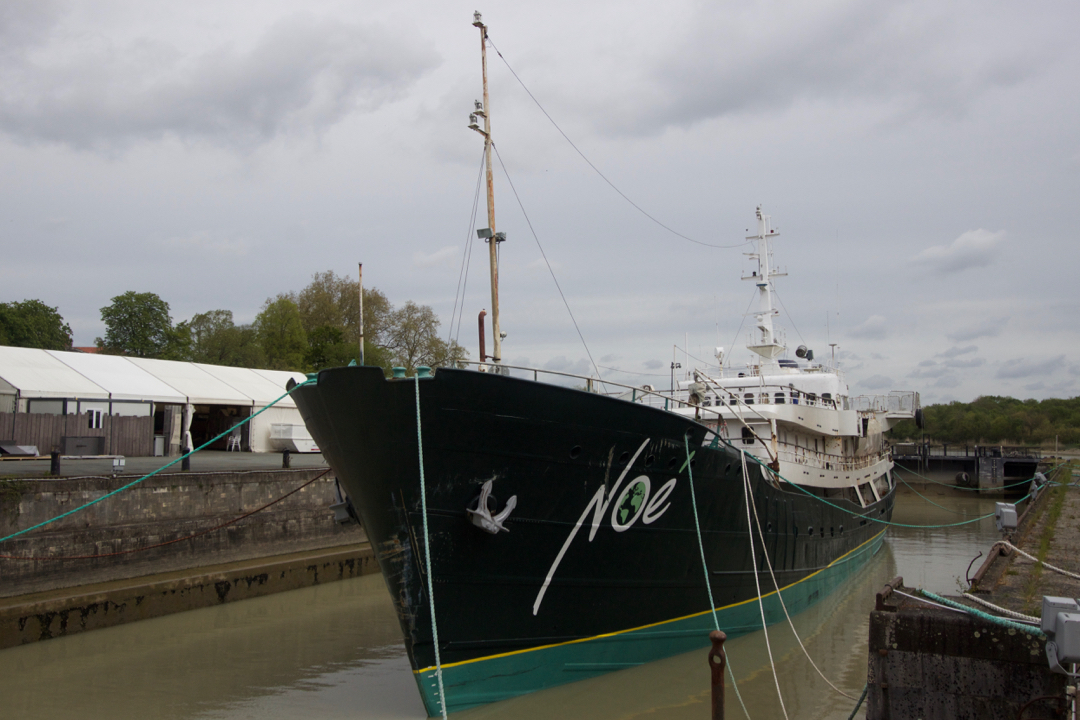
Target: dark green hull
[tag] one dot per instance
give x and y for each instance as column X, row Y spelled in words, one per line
column 601, row 567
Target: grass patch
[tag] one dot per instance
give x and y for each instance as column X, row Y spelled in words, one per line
column 1053, row 509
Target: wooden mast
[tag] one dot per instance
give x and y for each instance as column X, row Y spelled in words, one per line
column 491, row 237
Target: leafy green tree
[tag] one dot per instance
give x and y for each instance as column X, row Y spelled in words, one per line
column 281, row 334
column 327, row 348
column 139, row 324
column 412, row 338
column 998, row 420
column 215, row 340
column 33, row 324
column 333, row 301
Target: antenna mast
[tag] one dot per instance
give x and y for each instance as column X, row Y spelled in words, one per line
column 489, row 235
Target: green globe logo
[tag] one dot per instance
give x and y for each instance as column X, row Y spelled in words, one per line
column 632, row 501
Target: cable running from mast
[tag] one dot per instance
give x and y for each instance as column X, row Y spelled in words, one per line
column 463, row 274
column 544, row 255
column 596, row 169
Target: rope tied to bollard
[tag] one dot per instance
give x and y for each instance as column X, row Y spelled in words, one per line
column 708, row 584
column 427, row 552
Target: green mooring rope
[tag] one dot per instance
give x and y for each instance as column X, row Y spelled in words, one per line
column 163, row 467
column 1030, row 629
column 427, row 551
column 705, row 567
column 855, row 514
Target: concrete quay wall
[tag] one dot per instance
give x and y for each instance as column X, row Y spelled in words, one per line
column 42, row 616
column 113, row 539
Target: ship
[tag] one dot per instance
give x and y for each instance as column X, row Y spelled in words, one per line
column 532, row 534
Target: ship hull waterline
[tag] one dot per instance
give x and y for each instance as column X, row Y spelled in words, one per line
column 600, row 567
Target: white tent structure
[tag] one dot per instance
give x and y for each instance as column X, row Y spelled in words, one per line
column 182, row 396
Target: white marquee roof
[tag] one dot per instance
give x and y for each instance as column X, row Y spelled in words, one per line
column 36, row 373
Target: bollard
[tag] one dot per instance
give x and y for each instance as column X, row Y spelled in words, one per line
column 286, row 459
column 54, row 464
column 717, row 663
column 185, row 464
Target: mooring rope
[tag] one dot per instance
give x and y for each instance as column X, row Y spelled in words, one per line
column 1046, row 565
column 1003, row 611
column 133, row 483
column 779, row 595
column 867, row 516
column 757, row 584
column 984, row 616
column 956, row 487
column 427, row 551
column 171, row 542
column 705, row 567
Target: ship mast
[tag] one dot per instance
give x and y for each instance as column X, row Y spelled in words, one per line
column 767, row 344
column 489, row 235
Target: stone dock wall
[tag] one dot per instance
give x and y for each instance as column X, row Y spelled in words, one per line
column 163, row 524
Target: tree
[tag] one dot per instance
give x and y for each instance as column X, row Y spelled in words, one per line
column 281, row 334
column 332, row 301
column 217, row 341
column 33, row 324
column 139, row 324
column 412, row 338
column 327, row 348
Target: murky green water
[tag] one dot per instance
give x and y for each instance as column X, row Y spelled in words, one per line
column 334, row 651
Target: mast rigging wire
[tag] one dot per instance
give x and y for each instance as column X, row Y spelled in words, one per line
column 544, row 255
column 466, row 255
column 596, row 169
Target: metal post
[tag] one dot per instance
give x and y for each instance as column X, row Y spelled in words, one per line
column 286, row 459
column 717, row 663
column 185, row 464
column 54, row 464
column 361, row 314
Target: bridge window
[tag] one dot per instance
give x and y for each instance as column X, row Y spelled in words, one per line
column 749, row 398
column 779, row 397
column 747, row 436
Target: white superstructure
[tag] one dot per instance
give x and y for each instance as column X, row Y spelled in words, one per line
column 795, row 414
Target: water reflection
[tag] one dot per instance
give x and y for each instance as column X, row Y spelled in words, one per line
column 335, row 651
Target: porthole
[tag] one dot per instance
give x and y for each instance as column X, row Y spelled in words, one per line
column 671, row 463
column 841, row 529
column 575, row 451
column 650, row 460
column 624, row 457
column 810, row 531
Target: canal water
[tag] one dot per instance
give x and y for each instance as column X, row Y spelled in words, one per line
column 335, row 651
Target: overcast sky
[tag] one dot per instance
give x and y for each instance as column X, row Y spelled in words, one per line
column 920, row 160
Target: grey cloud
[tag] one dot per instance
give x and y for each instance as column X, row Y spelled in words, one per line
column 990, row 327
column 609, row 358
column 303, row 75
column 873, row 328
column 971, row 363
column 652, row 364
column 954, row 351
column 876, row 382
column 1035, row 386
column 928, row 363
column 561, row 363
column 947, row 382
column 933, row 370
column 737, row 59
column 1022, row 368
column 973, row 249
